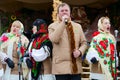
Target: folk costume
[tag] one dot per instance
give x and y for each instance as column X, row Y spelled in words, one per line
column 102, row 47
column 13, row 46
column 41, row 61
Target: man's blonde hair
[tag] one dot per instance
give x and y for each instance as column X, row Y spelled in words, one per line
column 62, row 5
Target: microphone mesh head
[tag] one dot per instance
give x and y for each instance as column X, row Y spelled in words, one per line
column 66, row 21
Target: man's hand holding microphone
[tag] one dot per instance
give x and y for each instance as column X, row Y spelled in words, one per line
column 65, row 19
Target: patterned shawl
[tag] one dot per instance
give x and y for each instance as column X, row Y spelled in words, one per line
column 37, row 66
column 104, row 44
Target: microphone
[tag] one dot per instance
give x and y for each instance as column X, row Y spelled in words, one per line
column 20, row 31
column 66, row 21
column 116, row 33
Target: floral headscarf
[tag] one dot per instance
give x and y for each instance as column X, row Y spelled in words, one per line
column 41, row 25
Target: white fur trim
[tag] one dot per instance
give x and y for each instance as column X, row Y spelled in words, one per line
column 25, row 70
column 40, row 54
column 9, row 52
column 97, row 76
column 2, row 57
column 29, row 75
column 47, row 77
column 29, row 49
column 92, row 53
column 24, row 59
column 1, row 73
column 105, row 70
column 15, row 77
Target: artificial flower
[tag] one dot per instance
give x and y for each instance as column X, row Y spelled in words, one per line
column 107, row 54
column 102, row 43
column 22, row 50
column 4, row 38
column 112, row 51
column 99, row 50
column 105, row 62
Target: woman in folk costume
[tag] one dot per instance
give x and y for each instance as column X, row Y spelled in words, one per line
column 101, row 52
column 1, row 71
column 40, row 49
column 12, row 47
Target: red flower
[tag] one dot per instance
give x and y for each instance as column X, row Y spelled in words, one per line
column 94, row 41
column 103, row 44
column 105, row 62
column 4, row 38
column 106, row 41
column 43, row 28
column 112, row 47
column 100, row 50
column 22, row 50
column 95, row 33
column 34, row 44
column 107, row 55
column 114, row 75
column 112, row 58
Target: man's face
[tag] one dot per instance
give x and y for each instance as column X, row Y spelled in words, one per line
column 64, row 10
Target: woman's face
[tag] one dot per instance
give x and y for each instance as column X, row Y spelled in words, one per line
column 15, row 28
column 34, row 29
column 106, row 25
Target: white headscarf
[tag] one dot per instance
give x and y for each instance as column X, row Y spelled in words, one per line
column 100, row 24
column 101, row 28
column 21, row 26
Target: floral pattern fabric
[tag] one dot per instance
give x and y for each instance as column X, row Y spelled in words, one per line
column 36, row 44
column 5, row 37
column 105, row 47
column 20, row 48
